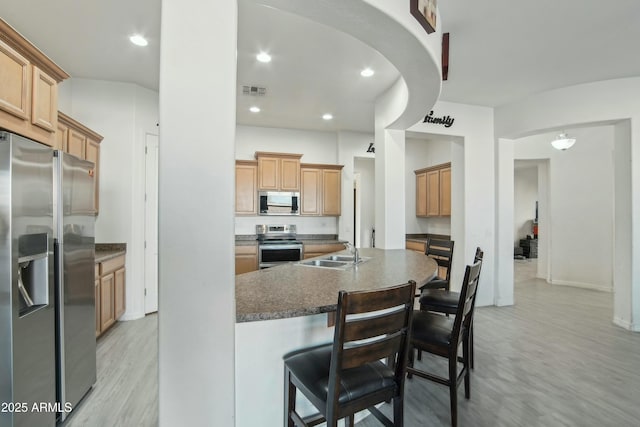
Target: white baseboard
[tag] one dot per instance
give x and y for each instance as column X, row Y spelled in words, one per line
column 592, row 286
column 131, row 316
column 626, row 324
column 502, row 302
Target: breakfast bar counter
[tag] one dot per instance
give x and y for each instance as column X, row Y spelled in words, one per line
column 294, row 289
column 284, row 308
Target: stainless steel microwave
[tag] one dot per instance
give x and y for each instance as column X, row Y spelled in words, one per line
column 279, row 203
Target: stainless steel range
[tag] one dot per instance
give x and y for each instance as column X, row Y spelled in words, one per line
column 277, row 244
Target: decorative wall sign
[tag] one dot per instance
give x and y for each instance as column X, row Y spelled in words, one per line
column 425, row 13
column 446, row 121
column 372, row 148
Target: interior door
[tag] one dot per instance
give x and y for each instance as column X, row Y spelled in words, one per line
column 151, row 225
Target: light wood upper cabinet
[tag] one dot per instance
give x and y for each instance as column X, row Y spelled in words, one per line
column 28, row 88
column 44, row 101
column 331, row 192
column 246, row 192
column 75, row 138
column 433, row 191
column 321, row 190
column 278, row 171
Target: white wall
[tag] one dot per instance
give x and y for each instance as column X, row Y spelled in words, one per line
column 524, row 200
column 473, row 198
column 420, row 154
column 365, row 167
column 581, row 205
column 612, row 101
column 122, row 113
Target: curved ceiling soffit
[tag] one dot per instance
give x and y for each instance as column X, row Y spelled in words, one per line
column 418, row 68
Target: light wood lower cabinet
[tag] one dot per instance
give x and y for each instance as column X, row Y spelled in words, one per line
column 246, row 258
column 110, row 292
column 415, row 246
column 312, row 250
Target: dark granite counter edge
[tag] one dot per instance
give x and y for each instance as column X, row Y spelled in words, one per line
column 250, row 239
column 252, row 317
column 107, row 251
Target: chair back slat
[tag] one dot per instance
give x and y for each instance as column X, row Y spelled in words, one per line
column 368, row 301
column 441, row 251
column 367, row 353
column 360, row 329
column 466, row 303
column 370, row 326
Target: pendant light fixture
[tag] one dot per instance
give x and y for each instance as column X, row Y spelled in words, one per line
column 563, row 142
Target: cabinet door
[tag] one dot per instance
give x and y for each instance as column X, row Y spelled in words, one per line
column 97, row 292
column 268, row 173
column 445, row 191
column 331, row 192
column 92, row 153
column 62, row 137
column 433, row 193
column 107, row 307
column 119, row 292
column 44, row 102
column 311, row 181
column 14, row 75
column 289, row 174
column 246, row 193
column 421, row 194
column 246, row 263
column 76, row 143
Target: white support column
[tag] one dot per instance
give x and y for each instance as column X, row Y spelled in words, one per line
column 504, row 224
column 390, row 189
column 196, row 213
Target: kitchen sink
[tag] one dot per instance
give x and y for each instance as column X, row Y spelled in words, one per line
column 346, row 258
column 325, row 263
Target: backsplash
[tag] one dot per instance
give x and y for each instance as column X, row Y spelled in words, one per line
column 305, row 225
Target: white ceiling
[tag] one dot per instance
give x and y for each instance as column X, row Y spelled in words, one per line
column 501, row 51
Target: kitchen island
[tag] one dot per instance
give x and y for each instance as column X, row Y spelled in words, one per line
column 284, row 308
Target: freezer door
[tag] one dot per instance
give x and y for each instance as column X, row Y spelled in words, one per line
column 75, row 253
column 27, row 321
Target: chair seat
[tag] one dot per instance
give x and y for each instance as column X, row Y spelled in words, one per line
column 311, row 369
column 431, row 331
column 439, row 300
column 435, row 283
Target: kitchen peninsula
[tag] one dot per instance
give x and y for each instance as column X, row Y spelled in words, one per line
column 283, row 308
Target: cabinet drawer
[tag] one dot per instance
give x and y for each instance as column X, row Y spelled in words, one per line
column 111, row 265
column 415, row 246
column 323, row 248
column 246, row 250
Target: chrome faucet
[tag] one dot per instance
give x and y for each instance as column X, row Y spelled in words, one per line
column 352, row 250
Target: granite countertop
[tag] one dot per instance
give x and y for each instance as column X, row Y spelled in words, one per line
column 422, row 238
column 293, row 290
column 107, row 251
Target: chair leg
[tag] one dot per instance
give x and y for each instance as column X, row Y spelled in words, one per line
column 467, row 375
column 398, row 412
column 453, row 389
column 471, row 352
column 289, row 398
column 410, row 361
column 348, row 420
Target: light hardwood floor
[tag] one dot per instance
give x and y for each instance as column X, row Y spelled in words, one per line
column 126, row 393
column 553, row 359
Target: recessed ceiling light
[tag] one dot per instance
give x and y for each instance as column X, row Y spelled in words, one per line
column 263, row 57
column 367, row 72
column 138, row 40
column 254, row 109
column 327, row 116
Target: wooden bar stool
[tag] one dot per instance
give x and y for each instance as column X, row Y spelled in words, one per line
column 348, row 376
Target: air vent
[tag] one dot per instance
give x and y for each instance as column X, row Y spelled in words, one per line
column 254, row 90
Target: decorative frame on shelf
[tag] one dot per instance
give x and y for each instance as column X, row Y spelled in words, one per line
column 425, row 13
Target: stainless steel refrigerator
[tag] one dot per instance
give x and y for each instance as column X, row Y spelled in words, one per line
column 75, row 293
column 27, row 314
